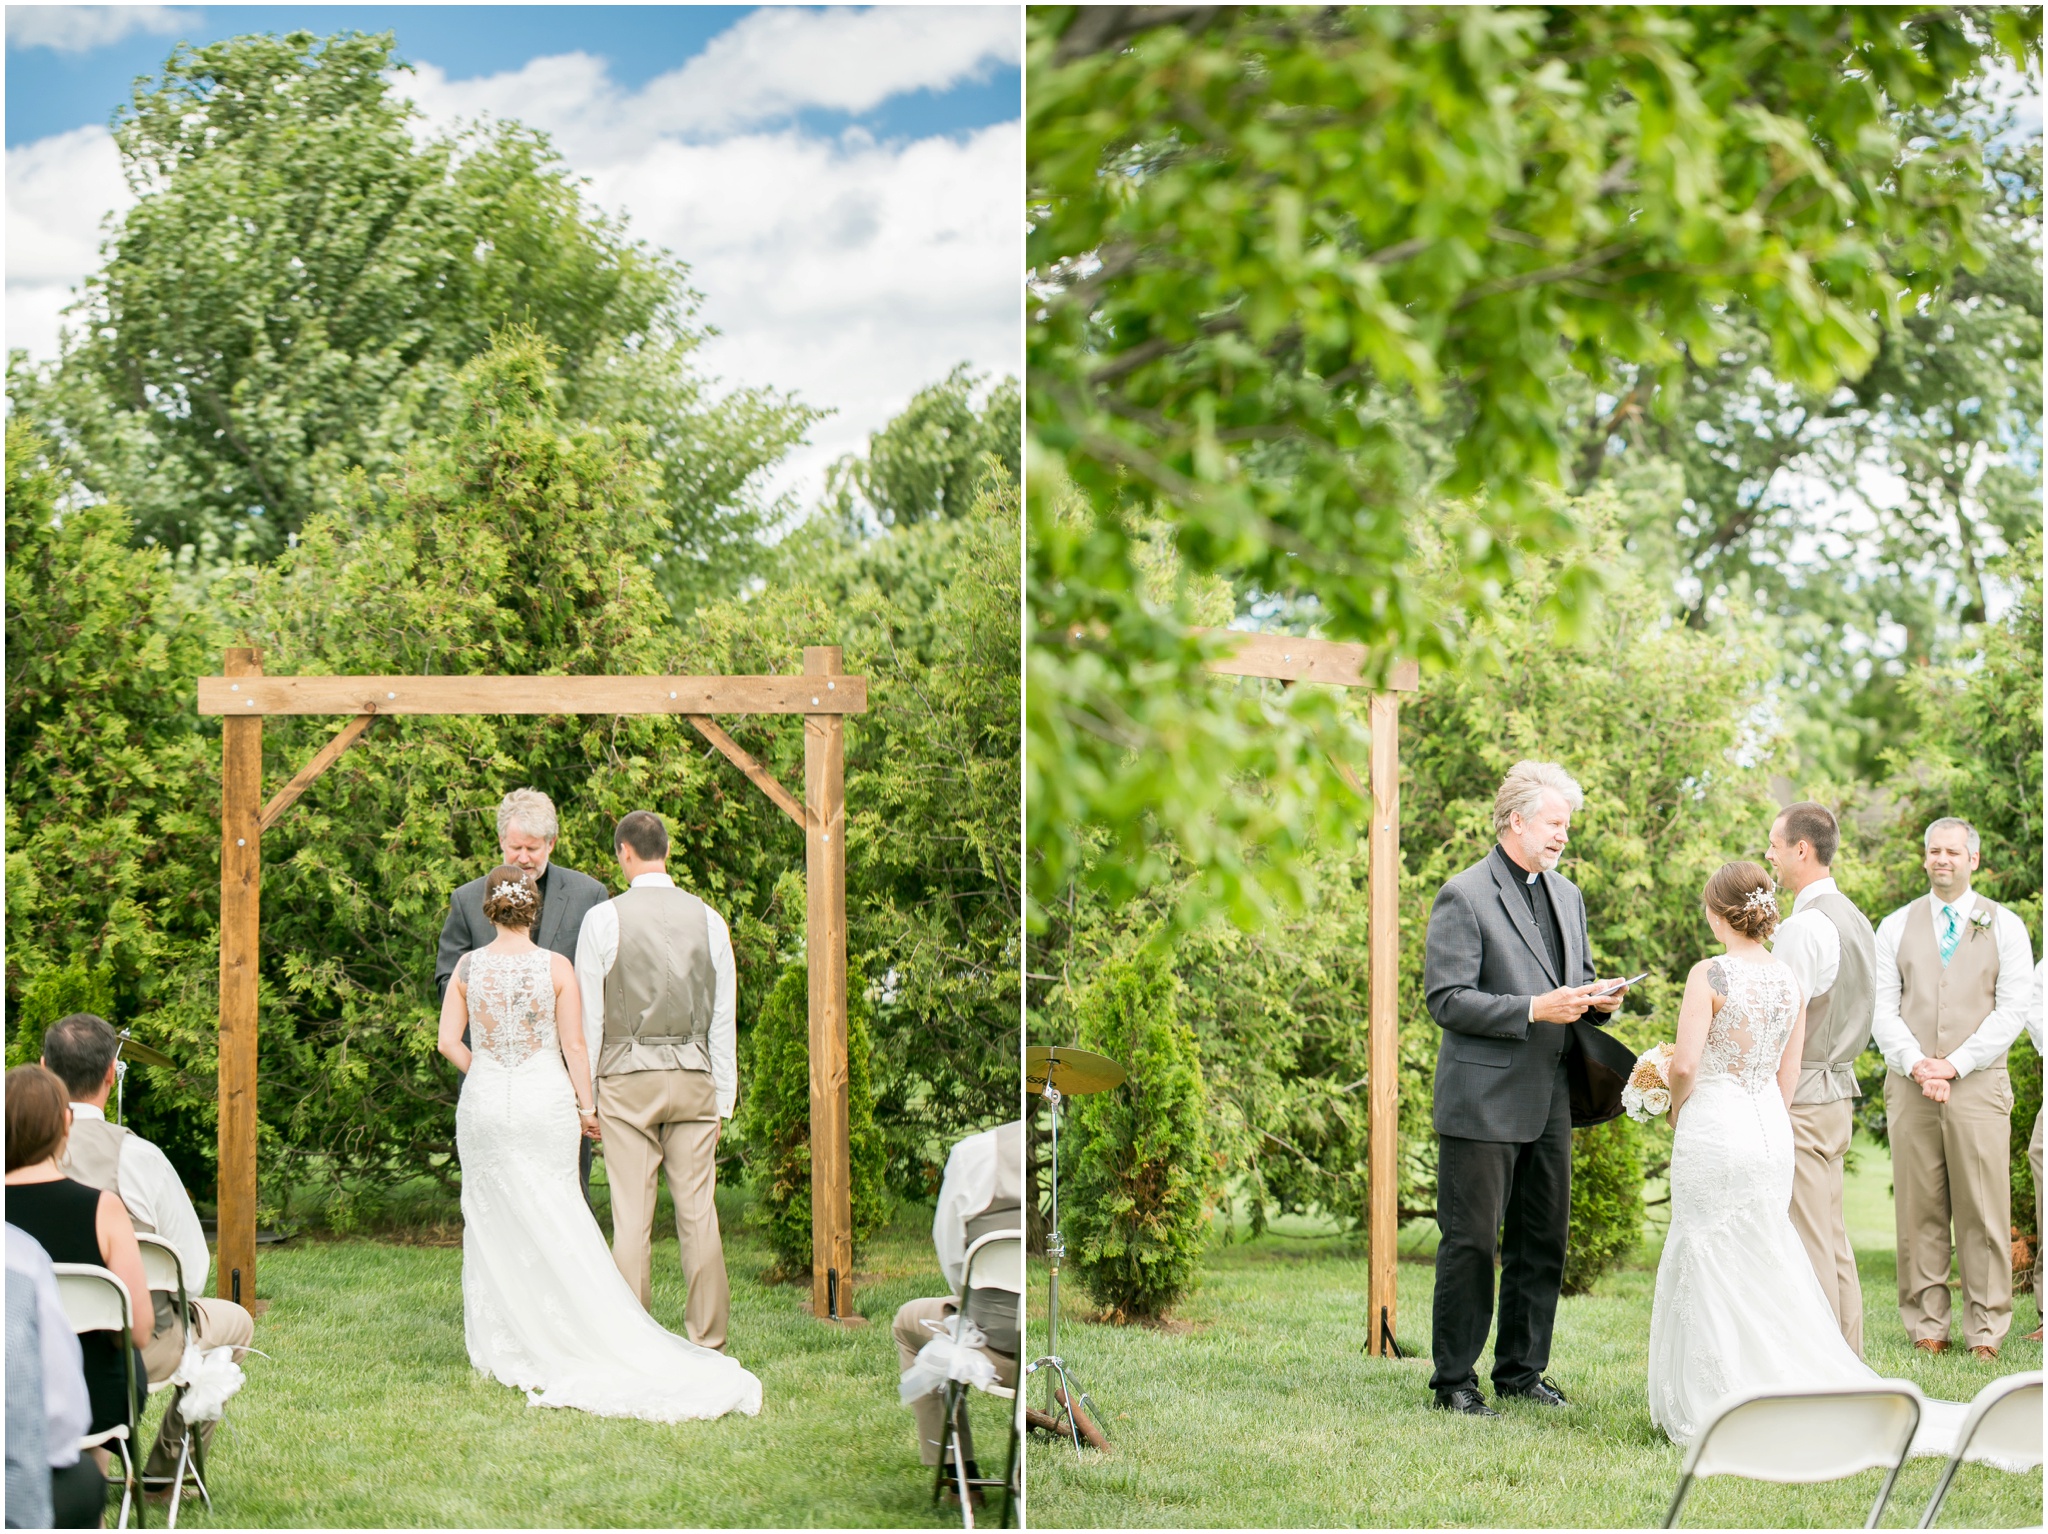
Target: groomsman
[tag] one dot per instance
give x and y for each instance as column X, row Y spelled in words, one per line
column 1954, row 973
column 1827, row 943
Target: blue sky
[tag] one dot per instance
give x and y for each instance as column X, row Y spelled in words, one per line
column 53, row 89
column 846, row 184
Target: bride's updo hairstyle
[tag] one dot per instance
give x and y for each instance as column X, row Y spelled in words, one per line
column 510, row 898
column 1742, row 895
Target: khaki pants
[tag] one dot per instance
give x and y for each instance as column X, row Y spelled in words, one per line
column 652, row 1120
column 1952, row 1169
column 911, row 1336
column 219, row 1324
column 1820, row 1141
column 2034, row 1160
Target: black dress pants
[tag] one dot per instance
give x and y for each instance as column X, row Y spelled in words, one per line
column 1522, row 1195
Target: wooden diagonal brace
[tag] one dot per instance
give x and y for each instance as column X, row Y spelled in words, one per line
column 763, row 778
column 289, row 794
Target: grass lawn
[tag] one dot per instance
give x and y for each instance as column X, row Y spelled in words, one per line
column 1262, row 1413
column 367, row 1412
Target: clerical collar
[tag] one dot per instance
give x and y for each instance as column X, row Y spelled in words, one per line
column 1526, row 876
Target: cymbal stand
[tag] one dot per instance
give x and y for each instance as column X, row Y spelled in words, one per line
column 1060, row 1401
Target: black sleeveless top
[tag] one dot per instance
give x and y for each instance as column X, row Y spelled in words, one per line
column 63, row 1217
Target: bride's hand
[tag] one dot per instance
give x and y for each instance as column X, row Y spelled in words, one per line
column 592, row 1130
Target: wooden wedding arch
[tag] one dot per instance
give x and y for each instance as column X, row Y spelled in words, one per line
column 1287, row 659
column 824, row 695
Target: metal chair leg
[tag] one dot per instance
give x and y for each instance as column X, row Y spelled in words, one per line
column 1678, row 1501
column 1948, row 1474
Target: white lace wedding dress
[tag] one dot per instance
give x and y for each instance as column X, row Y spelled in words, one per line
column 1737, row 1305
column 543, row 1307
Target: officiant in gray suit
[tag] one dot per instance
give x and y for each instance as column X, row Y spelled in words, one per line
column 527, row 828
column 1508, row 976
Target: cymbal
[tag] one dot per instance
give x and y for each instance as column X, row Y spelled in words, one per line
column 133, row 1049
column 1073, row 1072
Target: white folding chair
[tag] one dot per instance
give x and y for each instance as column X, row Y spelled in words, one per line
column 95, row 1300
column 2002, row 1429
column 1799, row 1436
column 166, row 1274
column 994, row 1271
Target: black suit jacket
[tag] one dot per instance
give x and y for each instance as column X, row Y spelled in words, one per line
column 1484, row 960
column 570, row 897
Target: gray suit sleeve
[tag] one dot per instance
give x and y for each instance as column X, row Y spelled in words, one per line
column 1453, row 952
column 454, row 944
column 1587, row 975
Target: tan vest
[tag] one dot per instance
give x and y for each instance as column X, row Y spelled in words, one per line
column 92, row 1155
column 1942, row 1005
column 659, row 994
column 1838, row 1020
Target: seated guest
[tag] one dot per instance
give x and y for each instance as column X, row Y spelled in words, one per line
column 74, row 1223
column 80, row 1051
column 50, row 1485
column 983, row 1191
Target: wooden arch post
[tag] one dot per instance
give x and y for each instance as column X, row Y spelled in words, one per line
column 823, row 695
column 1287, row 659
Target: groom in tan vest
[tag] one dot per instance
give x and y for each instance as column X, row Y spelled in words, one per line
column 1829, row 947
column 655, row 969
column 1953, row 975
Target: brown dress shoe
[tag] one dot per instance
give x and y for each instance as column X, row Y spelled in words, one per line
column 1985, row 1352
column 1932, row 1344
column 2032, row 1336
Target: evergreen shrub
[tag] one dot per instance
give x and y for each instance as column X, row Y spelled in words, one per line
column 773, row 1124
column 1607, row 1202
column 1136, row 1170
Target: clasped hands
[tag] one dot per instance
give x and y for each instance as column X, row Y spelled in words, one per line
column 1568, row 1003
column 1934, row 1076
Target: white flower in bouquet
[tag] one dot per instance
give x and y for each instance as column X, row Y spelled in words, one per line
column 1647, row 1094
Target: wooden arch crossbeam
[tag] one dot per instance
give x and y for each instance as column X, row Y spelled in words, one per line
column 1285, row 658
column 824, row 695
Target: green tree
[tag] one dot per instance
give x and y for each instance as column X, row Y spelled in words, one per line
column 774, row 1125
column 1266, row 242
column 1136, row 1167
column 103, row 746
column 928, row 461
column 299, row 282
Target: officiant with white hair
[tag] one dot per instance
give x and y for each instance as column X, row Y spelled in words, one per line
column 527, row 831
column 1507, row 973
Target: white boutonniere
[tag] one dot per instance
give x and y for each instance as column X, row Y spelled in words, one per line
column 1980, row 921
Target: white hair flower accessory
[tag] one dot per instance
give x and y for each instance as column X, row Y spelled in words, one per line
column 1758, row 899
column 518, row 894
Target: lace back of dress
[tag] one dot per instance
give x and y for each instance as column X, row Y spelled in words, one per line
column 511, row 1005
column 1746, row 1038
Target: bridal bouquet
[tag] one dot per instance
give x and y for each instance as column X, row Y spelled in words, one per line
column 1648, row 1093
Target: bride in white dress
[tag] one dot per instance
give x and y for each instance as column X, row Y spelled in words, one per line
column 544, row 1308
column 1738, row 1306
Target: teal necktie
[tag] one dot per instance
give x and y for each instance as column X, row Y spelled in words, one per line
column 1951, row 930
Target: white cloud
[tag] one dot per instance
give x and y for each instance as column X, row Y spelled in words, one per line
column 82, row 28
column 850, row 271
column 768, row 66
column 58, row 191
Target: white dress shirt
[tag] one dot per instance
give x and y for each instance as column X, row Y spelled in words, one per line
column 2034, row 1008
column 597, row 950
column 66, row 1405
column 155, row 1196
column 1808, row 943
column 969, row 1183
column 2009, row 997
